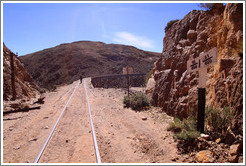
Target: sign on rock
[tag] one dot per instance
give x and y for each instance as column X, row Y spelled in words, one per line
column 201, row 64
column 203, row 61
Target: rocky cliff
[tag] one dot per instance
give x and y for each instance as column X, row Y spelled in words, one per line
column 65, row 63
column 199, row 31
column 24, row 84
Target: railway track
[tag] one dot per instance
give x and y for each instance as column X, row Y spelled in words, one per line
column 72, row 137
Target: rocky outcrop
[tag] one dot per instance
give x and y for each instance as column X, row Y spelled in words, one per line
column 150, row 87
column 24, row 84
column 65, row 63
column 200, row 31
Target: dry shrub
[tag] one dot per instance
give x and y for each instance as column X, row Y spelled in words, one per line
column 138, row 101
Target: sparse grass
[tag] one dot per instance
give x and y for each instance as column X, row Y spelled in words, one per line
column 218, row 120
column 175, row 126
column 187, row 135
column 126, row 101
column 169, row 24
column 206, row 6
column 185, row 129
column 138, row 101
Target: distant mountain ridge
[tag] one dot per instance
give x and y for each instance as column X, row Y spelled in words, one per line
column 65, row 63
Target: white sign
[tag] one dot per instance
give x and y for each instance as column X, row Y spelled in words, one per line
column 204, row 60
column 128, row 70
column 201, row 64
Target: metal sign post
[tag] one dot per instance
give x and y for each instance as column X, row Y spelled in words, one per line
column 201, row 64
column 127, row 73
column 128, row 70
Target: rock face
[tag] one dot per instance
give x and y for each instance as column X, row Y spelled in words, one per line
column 200, row 31
column 65, row 63
column 24, row 84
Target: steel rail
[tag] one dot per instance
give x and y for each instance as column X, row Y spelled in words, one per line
column 65, row 94
column 92, row 128
column 52, row 131
column 92, row 92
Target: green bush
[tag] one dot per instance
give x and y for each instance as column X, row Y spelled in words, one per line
column 227, row 116
column 219, row 120
column 176, row 125
column 138, row 101
column 185, row 129
column 126, row 101
column 187, row 135
column 190, row 124
column 169, row 24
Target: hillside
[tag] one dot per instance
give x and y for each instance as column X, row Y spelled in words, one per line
column 65, row 63
column 24, row 84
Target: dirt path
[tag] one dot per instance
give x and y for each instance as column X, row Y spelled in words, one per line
column 122, row 135
column 72, row 140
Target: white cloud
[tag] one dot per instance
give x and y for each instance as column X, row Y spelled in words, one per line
column 132, row 39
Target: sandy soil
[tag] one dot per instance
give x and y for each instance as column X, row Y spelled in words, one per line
column 122, row 135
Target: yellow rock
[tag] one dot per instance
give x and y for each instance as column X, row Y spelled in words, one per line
column 218, row 140
column 204, row 156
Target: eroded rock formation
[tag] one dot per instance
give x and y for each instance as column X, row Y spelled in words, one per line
column 24, row 84
column 199, row 31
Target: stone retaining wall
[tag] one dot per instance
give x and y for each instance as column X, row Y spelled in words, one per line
column 118, row 81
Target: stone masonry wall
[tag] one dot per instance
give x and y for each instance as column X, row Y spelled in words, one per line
column 118, row 81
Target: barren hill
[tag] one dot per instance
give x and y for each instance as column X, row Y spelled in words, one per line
column 64, row 63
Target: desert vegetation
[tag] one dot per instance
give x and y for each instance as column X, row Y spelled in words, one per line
column 217, row 123
column 138, row 101
column 169, row 24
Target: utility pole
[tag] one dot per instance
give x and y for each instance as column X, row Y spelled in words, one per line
column 12, row 75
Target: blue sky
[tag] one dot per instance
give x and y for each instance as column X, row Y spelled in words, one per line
column 31, row 27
